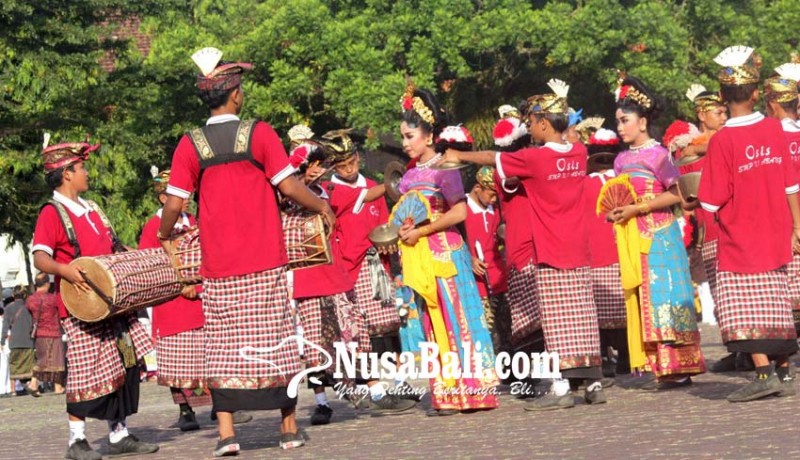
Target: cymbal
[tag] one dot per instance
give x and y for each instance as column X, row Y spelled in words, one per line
column 384, row 235
column 687, row 160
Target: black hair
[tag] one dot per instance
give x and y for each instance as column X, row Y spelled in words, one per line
column 628, row 105
column 737, row 94
column 559, row 121
column 316, row 154
column 519, row 144
column 41, row 279
column 596, row 148
column 440, row 119
column 789, row 106
column 20, row 293
column 55, row 178
column 215, row 98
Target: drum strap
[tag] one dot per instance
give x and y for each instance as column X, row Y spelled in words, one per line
column 72, row 237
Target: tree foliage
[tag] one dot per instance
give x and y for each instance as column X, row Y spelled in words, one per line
column 332, row 63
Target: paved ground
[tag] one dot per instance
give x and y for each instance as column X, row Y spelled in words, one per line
column 693, row 423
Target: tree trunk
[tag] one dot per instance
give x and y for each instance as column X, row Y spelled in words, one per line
column 28, row 271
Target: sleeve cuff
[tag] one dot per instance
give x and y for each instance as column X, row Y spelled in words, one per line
column 709, row 207
column 43, row 248
column 792, row 189
column 283, row 174
column 499, row 165
column 508, row 190
column 360, row 201
column 180, row 193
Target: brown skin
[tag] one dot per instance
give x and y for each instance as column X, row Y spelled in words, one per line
column 485, row 197
column 290, row 187
column 417, row 143
column 709, row 122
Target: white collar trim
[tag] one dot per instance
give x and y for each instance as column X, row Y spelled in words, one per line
column 221, row 119
column 561, row 148
column 78, row 208
column 476, row 207
column 790, row 126
column 361, row 182
column 745, row 120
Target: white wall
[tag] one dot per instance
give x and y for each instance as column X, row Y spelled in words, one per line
column 12, row 264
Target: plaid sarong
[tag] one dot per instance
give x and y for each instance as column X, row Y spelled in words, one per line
column 182, row 359
column 754, row 306
column 250, row 310
column 569, row 316
column 609, row 297
column 381, row 317
column 525, row 318
column 710, row 264
column 793, row 278
column 94, row 365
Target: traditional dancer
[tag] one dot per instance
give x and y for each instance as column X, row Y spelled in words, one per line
column 102, row 357
column 553, row 176
column 488, row 261
column 749, row 172
column 236, row 167
column 437, row 265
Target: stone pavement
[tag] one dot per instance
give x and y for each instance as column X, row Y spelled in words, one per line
column 695, row 422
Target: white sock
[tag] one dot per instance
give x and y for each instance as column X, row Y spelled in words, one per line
column 118, row 430
column 595, row 386
column 377, row 391
column 321, row 398
column 76, row 431
column 560, row 387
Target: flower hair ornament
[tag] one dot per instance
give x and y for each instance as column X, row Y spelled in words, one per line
column 630, row 92
column 604, row 137
column 679, row 135
column 740, row 66
column 415, row 103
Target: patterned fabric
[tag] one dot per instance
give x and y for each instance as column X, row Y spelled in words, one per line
column 669, row 319
column 194, row 397
column 381, row 317
column 50, row 359
column 249, row 311
column 710, row 264
column 330, row 319
column 522, row 298
column 569, row 316
column 94, row 366
column 182, row 359
column 608, row 297
column 498, row 320
column 793, row 278
column 754, row 306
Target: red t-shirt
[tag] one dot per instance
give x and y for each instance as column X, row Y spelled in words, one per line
column 746, row 178
column 602, row 244
column 238, row 210
column 179, row 314
column 354, row 220
column 553, row 177
column 49, row 236
column 482, row 226
column 515, row 204
column 792, row 130
column 704, row 218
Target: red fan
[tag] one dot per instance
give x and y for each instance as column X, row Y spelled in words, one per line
column 617, row 192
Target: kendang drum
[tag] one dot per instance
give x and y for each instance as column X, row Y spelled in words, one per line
column 131, row 281
column 306, row 239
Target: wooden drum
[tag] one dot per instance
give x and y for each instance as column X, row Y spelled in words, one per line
column 306, row 239
column 131, row 281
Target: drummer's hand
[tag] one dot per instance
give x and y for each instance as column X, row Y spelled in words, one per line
column 451, row 156
column 478, row 267
column 410, row 237
column 189, row 291
column 74, row 275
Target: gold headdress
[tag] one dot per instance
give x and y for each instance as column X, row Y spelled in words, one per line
column 739, row 66
column 555, row 102
column 415, row 103
column 704, row 100
column 630, row 92
column 337, row 145
column 586, row 127
column 783, row 87
column 485, row 177
column 160, row 179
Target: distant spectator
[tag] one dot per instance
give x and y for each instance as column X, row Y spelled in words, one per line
column 43, row 307
column 5, row 380
column 17, row 333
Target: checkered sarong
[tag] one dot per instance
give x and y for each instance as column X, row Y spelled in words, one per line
column 250, row 310
column 381, row 318
column 182, row 359
column 710, row 263
column 793, row 278
column 754, row 306
column 525, row 318
column 94, row 365
column 330, row 319
column 609, row 297
column 569, row 316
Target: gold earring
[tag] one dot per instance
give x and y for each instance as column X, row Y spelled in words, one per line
column 429, row 143
column 643, row 129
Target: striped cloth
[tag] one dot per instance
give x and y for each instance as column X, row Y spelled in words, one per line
column 793, row 278
column 609, row 297
column 250, row 310
column 525, row 318
column 710, row 264
column 94, row 366
column 182, row 359
column 381, row 318
column 754, row 306
column 569, row 316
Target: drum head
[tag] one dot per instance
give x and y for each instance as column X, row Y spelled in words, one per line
column 89, row 306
